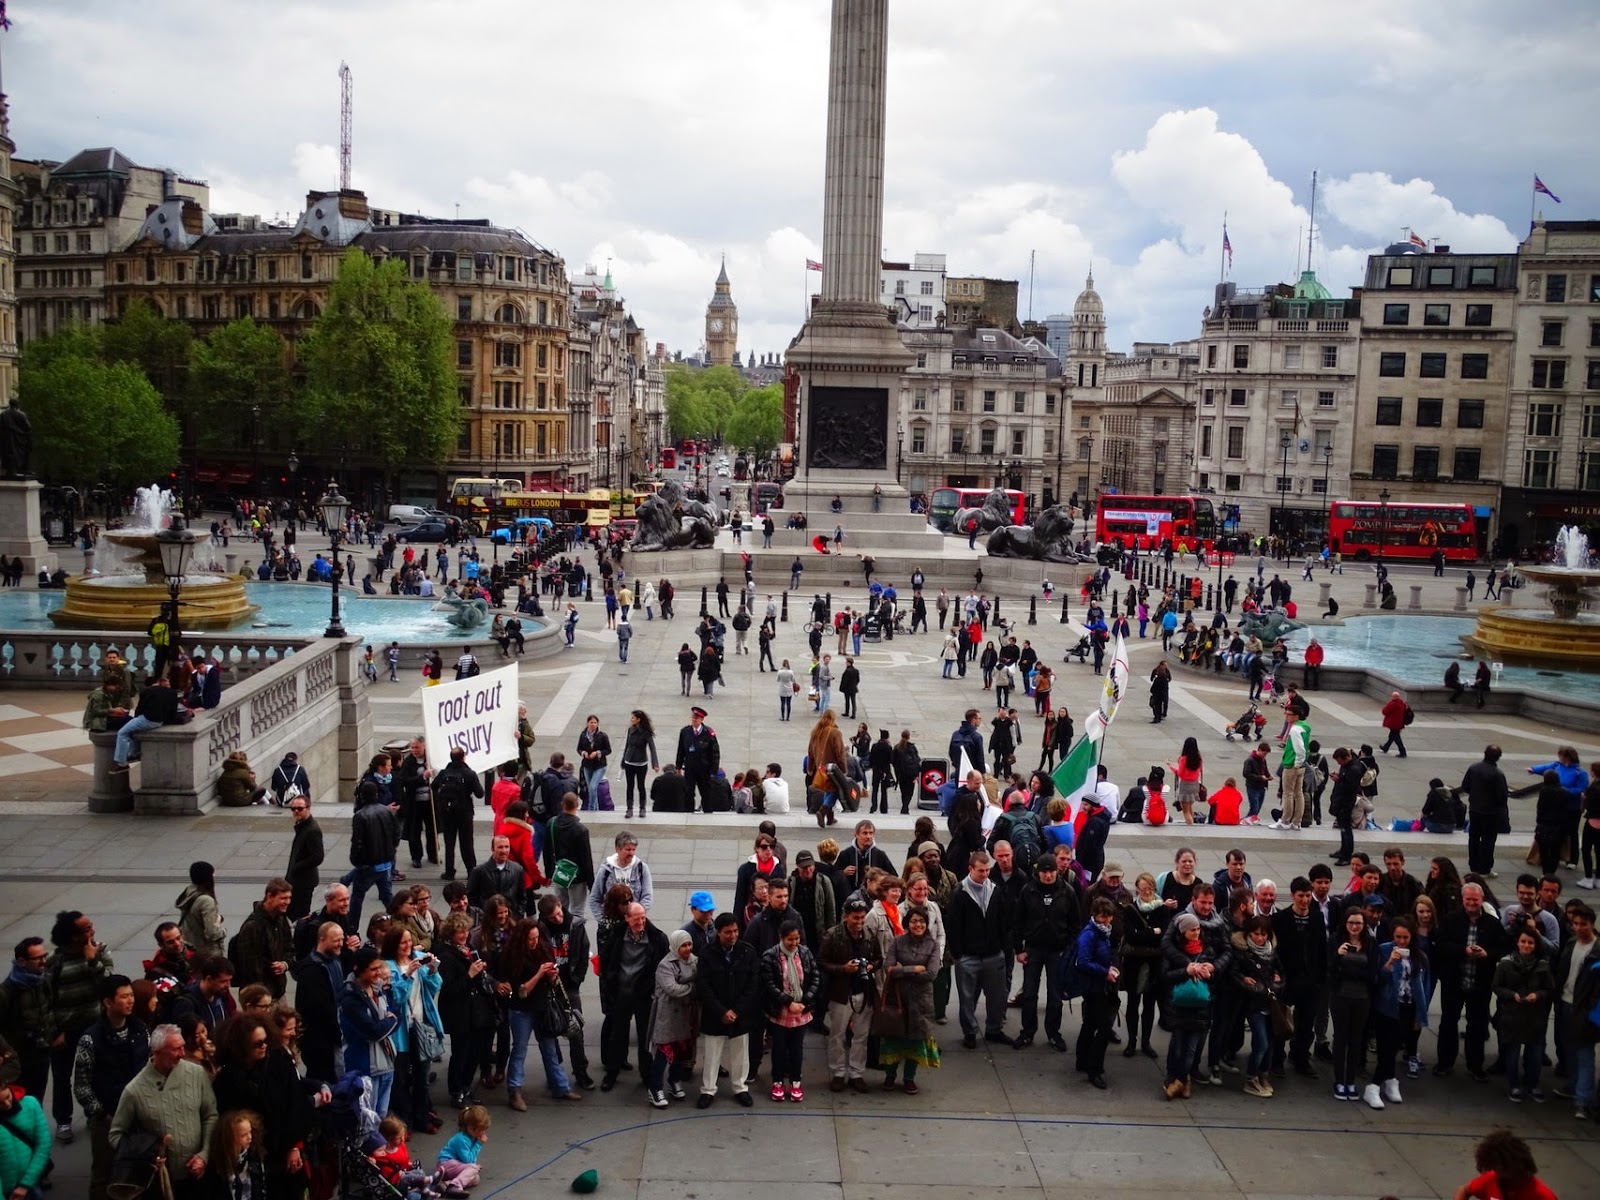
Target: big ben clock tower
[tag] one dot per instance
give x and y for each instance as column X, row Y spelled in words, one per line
column 722, row 323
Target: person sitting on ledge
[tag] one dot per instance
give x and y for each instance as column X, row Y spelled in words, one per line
column 55, row 580
column 837, row 505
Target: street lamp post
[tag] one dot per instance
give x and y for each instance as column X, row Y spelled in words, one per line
column 176, row 545
column 334, row 507
column 1383, row 527
column 1327, row 464
column 899, row 447
column 1285, row 440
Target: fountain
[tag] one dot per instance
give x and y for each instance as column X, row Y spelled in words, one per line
column 1567, row 635
column 128, row 596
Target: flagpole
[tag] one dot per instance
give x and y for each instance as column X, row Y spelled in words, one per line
column 1222, row 255
column 1533, row 201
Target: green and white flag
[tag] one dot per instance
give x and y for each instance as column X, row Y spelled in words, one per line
column 1075, row 778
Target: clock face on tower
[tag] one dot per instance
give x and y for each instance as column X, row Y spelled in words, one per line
column 716, row 324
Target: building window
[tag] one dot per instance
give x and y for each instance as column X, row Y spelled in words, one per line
column 1544, row 420
column 463, row 308
column 925, row 312
column 1241, row 357
column 1480, row 277
column 926, row 288
column 463, row 354
column 899, row 287
column 1385, row 462
column 1474, row 366
column 1289, row 398
column 183, row 307
column 1401, row 276
column 1433, row 366
column 1330, row 357
column 1469, row 414
column 1480, row 314
column 122, row 273
column 1324, row 399
column 958, row 441
column 1550, row 333
column 919, row 400
column 1465, row 468
column 1019, row 440
column 1236, row 441
column 1550, row 373
column 1019, row 402
column 1049, row 404
column 541, row 356
column 241, row 306
column 1591, row 420
column 1392, row 365
column 542, row 312
column 1594, row 333
column 988, row 401
column 1397, row 314
column 1436, row 314
column 1430, row 413
column 1211, row 351
column 41, row 244
column 1230, row 483
column 541, row 396
column 1208, row 397
column 1594, row 289
column 62, row 243
column 507, row 354
column 1441, row 277
column 919, row 439
column 85, row 243
column 1555, row 289
column 1539, row 468
column 1389, row 408
column 1205, row 441
column 1291, row 358
column 1083, row 421
column 464, row 392
column 1236, row 398
column 958, row 400
column 508, row 314
column 1424, row 463
column 1589, row 471
column 1049, row 441
column 986, row 440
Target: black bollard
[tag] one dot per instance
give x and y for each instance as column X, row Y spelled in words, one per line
column 785, row 616
column 588, row 587
column 1063, row 608
column 704, row 611
column 1033, row 610
column 995, row 615
column 1210, row 598
column 828, row 598
column 1113, row 604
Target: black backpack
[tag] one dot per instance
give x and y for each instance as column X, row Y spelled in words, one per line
column 1021, row 828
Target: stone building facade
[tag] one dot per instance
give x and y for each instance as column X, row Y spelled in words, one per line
column 10, row 199
column 1147, row 418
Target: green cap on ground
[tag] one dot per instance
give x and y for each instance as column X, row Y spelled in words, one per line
column 587, row 1182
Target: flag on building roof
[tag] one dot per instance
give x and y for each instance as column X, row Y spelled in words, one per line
column 5, row 21
column 1227, row 247
column 1075, row 778
column 813, row 265
column 1538, row 186
column 1416, row 239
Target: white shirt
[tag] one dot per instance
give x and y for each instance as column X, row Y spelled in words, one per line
column 776, row 791
column 1110, row 797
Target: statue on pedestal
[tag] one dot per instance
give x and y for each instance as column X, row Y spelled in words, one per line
column 16, row 442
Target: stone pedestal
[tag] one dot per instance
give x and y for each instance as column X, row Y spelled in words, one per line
column 1372, row 596
column 20, row 525
column 1461, row 600
column 1323, row 589
column 111, row 791
column 1416, row 596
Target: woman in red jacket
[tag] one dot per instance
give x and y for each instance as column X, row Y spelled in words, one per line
column 1394, row 720
column 519, row 829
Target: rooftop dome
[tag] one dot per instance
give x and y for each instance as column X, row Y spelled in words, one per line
column 1310, row 288
column 1088, row 302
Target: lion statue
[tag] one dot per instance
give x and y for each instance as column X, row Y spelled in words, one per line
column 1048, row 539
column 670, row 521
column 995, row 513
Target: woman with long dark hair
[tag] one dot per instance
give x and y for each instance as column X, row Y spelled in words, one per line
column 1190, row 771
column 1352, row 973
column 1443, row 886
column 255, row 1073
column 639, row 756
column 528, row 967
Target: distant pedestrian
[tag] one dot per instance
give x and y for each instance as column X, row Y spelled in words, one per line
column 624, row 636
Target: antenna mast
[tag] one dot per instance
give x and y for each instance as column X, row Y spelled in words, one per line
column 344, row 126
column 1311, row 232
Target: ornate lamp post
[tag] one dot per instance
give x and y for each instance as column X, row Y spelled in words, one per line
column 334, row 507
column 1383, row 528
column 1327, row 464
column 899, row 446
column 176, row 545
column 1285, row 440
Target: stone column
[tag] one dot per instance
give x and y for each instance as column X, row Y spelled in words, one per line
column 852, row 229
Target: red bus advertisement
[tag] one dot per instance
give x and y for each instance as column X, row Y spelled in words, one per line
column 1364, row 529
column 669, row 458
column 1149, row 521
column 945, row 502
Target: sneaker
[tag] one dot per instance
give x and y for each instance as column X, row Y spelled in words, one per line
column 1536, row 1095
column 796, row 1092
column 1252, row 1087
column 657, row 1099
column 1214, row 1079
column 1391, row 1091
column 675, row 1090
column 1370, row 1094
column 1338, row 1092
column 1579, row 1114
column 1229, row 1066
column 1514, row 1095
column 64, row 1132
column 779, row 1092
column 1413, row 1067
column 1587, row 883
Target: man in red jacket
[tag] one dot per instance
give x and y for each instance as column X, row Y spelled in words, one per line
column 1314, row 657
column 1394, row 720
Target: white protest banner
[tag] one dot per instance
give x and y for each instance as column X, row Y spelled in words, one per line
column 478, row 714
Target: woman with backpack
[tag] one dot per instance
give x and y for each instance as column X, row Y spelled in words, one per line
column 1155, row 798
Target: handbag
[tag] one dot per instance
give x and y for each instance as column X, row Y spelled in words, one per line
column 564, row 872
column 428, row 1040
column 559, row 1015
column 1282, row 1020
column 889, row 1017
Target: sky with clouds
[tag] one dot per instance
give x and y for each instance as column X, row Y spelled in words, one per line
column 661, row 134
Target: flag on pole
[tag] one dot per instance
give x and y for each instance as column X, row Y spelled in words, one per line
column 1227, row 247
column 5, row 21
column 959, row 768
column 1116, row 686
column 1075, row 778
column 1416, row 239
column 813, row 265
column 1538, row 186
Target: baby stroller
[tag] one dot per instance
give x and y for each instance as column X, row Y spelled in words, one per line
column 1248, row 726
column 1080, row 652
column 353, row 1125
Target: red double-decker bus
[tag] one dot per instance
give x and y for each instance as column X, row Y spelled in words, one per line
column 1150, row 521
column 1364, row 529
column 669, row 458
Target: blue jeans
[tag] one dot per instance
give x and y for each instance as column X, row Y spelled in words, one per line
column 1260, row 1041
column 1523, row 1060
column 382, row 1086
column 824, row 695
column 591, row 783
column 555, row 1077
column 362, row 878
column 784, row 704
column 1184, row 1048
column 1258, row 796
column 1581, row 1064
column 126, row 737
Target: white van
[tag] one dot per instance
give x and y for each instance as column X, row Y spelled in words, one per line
column 408, row 514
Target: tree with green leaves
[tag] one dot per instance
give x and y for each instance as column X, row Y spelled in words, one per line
column 93, row 421
column 757, row 422
column 380, row 373
column 240, row 383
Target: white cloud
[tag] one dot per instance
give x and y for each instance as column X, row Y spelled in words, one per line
column 1371, row 203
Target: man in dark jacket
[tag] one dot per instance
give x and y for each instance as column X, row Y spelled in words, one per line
column 497, row 877
column 568, row 838
column 264, row 947
column 629, row 952
column 318, row 979
column 881, row 759
column 861, row 853
column 1090, row 850
column 554, row 782
column 412, row 780
column 967, row 739
column 728, row 985
column 852, row 963
column 811, row 897
column 455, row 791
column 108, row 1055
column 699, row 754
column 1465, row 950
column 374, row 840
column 1047, row 923
column 335, row 908
column 305, row 856
column 977, row 931
column 670, row 792
column 1302, row 939
column 1488, row 798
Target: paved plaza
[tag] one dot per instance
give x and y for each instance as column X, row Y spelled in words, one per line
column 991, row 1121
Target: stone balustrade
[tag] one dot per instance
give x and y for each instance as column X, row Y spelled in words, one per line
column 73, row 659
column 313, row 702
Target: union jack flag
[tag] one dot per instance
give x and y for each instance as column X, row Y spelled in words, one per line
column 1538, row 184
column 1227, row 248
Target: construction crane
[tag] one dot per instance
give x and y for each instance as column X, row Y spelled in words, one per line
column 344, row 127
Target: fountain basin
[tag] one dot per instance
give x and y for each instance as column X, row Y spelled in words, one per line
column 1531, row 637
column 130, row 602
